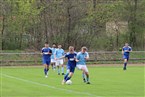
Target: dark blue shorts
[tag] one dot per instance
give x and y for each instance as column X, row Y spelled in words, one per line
column 126, row 57
column 47, row 62
column 70, row 68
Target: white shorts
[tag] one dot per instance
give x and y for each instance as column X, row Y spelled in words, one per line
column 59, row 62
column 53, row 60
column 83, row 66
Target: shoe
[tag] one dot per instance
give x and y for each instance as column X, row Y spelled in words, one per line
column 58, row 73
column 124, row 68
column 63, row 82
column 62, row 73
column 84, row 80
column 46, row 76
column 88, row 83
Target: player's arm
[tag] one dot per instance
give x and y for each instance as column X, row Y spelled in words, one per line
column 50, row 52
column 55, row 55
column 122, row 51
column 42, row 51
column 130, row 49
column 64, row 56
column 77, row 58
column 87, row 56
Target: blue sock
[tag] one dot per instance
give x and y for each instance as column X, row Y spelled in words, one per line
column 125, row 64
column 62, row 69
column 65, row 77
column 45, row 71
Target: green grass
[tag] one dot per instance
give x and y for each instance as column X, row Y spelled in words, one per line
column 105, row 82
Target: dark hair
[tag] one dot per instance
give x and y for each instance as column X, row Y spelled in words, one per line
column 46, row 42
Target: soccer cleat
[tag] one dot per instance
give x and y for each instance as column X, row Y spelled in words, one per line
column 124, row 68
column 63, row 82
column 88, row 83
column 62, row 73
column 84, row 80
column 58, row 73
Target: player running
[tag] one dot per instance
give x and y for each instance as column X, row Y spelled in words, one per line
column 46, row 54
column 71, row 64
column 59, row 62
column 126, row 51
column 81, row 59
column 53, row 61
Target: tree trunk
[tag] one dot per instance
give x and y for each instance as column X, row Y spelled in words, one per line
column 2, row 35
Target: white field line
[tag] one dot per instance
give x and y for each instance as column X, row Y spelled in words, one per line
column 45, row 85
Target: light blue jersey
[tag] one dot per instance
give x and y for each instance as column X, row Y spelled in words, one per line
column 81, row 57
column 53, row 52
column 59, row 53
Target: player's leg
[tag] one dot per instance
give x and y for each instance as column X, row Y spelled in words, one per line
column 85, row 70
column 47, row 68
column 72, row 69
column 58, row 66
column 62, row 66
column 125, row 63
column 53, row 64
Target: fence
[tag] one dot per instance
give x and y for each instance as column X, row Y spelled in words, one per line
column 104, row 57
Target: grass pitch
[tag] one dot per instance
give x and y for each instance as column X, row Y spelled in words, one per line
column 105, row 82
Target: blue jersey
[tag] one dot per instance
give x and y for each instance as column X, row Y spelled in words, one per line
column 81, row 57
column 126, row 49
column 71, row 59
column 45, row 51
column 53, row 52
column 59, row 53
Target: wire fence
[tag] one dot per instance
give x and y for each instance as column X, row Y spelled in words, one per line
column 103, row 57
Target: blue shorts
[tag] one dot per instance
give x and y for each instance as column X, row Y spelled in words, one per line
column 70, row 68
column 47, row 62
column 126, row 57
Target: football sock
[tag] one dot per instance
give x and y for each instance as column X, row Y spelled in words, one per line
column 65, row 77
column 62, row 69
column 87, row 78
column 83, row 75
column 45, row 71
column 125, row 64
column 58, row 70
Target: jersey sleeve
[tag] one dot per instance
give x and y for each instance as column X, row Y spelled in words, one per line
column 42, row 50
column 66, row 55
column 87, row 54
column 130, row 49
column 78, row 56
column 63, row 53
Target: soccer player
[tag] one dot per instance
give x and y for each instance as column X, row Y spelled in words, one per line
column 71, row 64
column 59, row 62
column 46, row 54
column 81, row 59
column 53, row 61
column 126, row 51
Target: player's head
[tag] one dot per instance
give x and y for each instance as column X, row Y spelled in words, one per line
column 126, row 44
column 71, row 49
column 46, row 44
column 83, row 49
column 59, row 46
column 54, row 45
